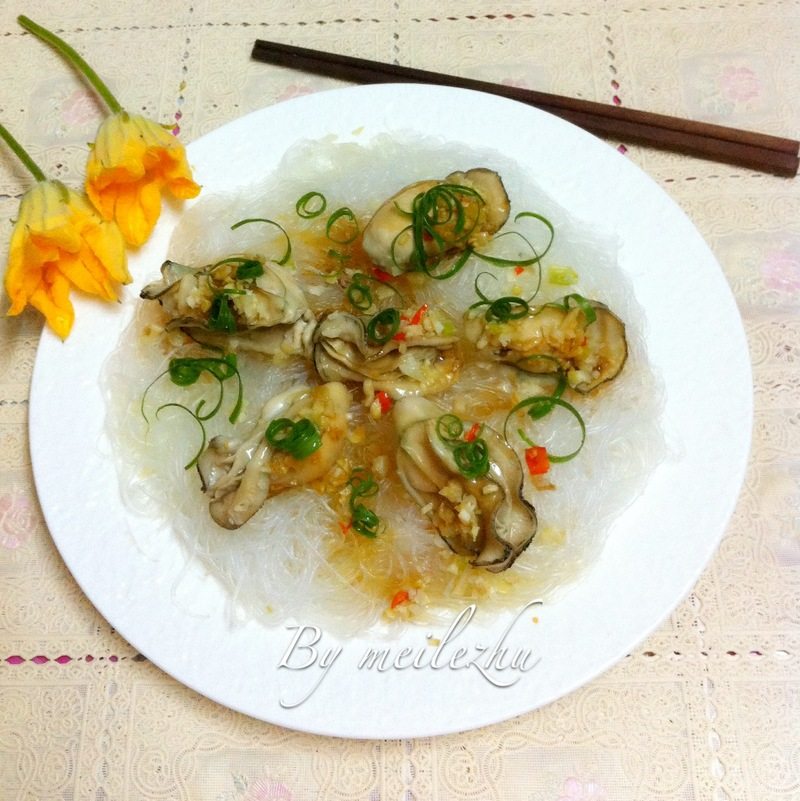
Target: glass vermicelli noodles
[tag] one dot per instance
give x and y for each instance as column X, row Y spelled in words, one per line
column 298, row 556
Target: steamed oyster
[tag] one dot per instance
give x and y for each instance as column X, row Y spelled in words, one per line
column 557, row 338
column 418, row 359
column 464, row 210
column 239, row 303
column 290, row 339
column 485, row 517
column 238, row 475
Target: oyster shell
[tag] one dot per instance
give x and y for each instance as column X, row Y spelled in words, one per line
column 238, row 475
column 388, row 238
column 282, row 340
column 423, row 362
column 555, row 338
column 486, row 518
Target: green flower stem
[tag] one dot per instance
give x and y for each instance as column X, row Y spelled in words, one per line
column 21, row 154
column 74, row 58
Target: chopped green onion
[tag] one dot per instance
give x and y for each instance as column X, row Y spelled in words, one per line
column 525, row 438
column 311, row 205
column 539, row 406
column 441, row 205
column 363, row 485
column 342, row 214
column 299, row 439
column 561, row 276
column 250, row 268
column 280, row 431
column 472, row 458
column 383, row 326
column 220, row 316
column 588, row 310
column 246, row 265
column 503, row 309
column 202, row 447
column 449, row 428
column 470, row 455
column 540, row 410
column 536, row 258
column 184, row 372
column 287, row 253
column 581, row 302
column 359, row 295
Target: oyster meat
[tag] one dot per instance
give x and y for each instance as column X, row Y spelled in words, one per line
column 486, row 518
column 556, row 338
column 266, row 313
column 464, row 210
column 421, row 361
column 238, row 475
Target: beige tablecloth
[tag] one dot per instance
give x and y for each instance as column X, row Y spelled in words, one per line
column 709, row 706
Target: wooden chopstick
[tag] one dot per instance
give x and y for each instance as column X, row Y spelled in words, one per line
column 756, row 151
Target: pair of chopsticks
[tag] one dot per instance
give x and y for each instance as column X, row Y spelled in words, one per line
column 756, row 151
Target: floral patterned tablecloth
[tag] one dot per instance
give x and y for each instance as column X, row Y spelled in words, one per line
column 709, row 706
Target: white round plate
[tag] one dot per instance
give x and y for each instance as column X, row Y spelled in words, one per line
column 656, row 550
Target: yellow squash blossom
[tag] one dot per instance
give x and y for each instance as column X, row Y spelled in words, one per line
column 60, row 241
column 131, row 162
column 133, row 159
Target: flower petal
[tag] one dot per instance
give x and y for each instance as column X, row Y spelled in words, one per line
column 87, row 277
column 101, row 241
column 136, row 211
column 23, row 274
column 107, row 245
column 51, row 298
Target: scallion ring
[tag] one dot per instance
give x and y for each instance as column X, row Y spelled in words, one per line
column 452, row 268
column 502, row 309
column 472, row 458
column 343, row 213
column 287, row 253
column 383, row 326
column 584, row 305
column 507, row 308
column 202, row 447
column 220, row 315
column 359, row 295
column 185, row 371
column 540, row 406
column 547, row 223
column 535, row 258
column 248, row 267
column 311, row 205
column 441, row 205
column 361, row 483
column 299, row 439
column 364, row 520
column 449, row 428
